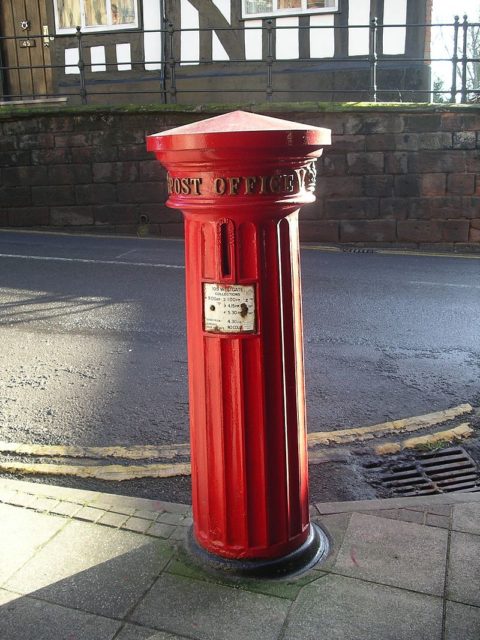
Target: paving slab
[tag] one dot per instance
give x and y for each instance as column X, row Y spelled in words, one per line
column 96, row 569
column 137, row 524
column 464, row 569
column 184, row 566
column 390, row 552
column 466, row 517
column 146, row 514
column 335, row 526
column 340, row 608
column 139, row 504
column 171, row 518
column 45, row 504
column 160, row 530
column 22, row 532
column 462, row 622
column 32, row 619
column 392, row 514
column 398, row 503
column 113, row 519
column 89, row 514
column 435, row 520
column 207, row 611
column 68, row 509
column 49, row 490
column 411, row 515
column 134, row 632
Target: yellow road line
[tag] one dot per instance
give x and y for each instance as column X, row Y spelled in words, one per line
column 152, row 452
column 142, row 452
column 321, row 247
column 391, row 252
column 114, row 472
column 118, row 473
column 414, row 423
column 429, row 254
column 457, row 433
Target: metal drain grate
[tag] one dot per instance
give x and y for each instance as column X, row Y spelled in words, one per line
column 357, row 250
column 441, row 471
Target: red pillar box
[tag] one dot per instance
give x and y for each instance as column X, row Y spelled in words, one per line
column 240, row 179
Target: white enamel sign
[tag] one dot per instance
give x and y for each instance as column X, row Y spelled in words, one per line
column 229, row 308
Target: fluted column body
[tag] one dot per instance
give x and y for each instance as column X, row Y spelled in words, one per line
column 247, row 405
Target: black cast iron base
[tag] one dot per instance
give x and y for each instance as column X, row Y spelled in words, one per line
column 313, row 550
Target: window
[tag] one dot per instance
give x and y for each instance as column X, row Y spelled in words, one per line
column 95, row 15
column 265, row 8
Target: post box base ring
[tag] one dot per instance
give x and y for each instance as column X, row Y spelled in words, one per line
column 313, row 550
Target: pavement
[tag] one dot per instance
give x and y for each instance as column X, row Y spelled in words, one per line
column 84, row 565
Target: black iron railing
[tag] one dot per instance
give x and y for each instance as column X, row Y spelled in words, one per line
column 163, row 81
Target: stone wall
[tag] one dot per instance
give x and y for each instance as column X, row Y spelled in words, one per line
column 395, row 174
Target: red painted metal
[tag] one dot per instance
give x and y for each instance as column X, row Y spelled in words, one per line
column 240, row 179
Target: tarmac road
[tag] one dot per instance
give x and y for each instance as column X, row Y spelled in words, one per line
column 92, row 338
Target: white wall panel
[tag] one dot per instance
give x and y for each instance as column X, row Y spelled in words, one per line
column 253, row 40
column 224, row 7
column 97, row 58
column 286, row 43
column 322, row 41
column 190, row 40
column 218, row 51
column 124, row 57
column 71, row 57
column 152, row 42
column 358, row 39
column 394, row 12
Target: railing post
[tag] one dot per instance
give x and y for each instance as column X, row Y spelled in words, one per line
column 464, row 59
column 163, row 65
column 453, row 91
column 164, row 53
column 270, row 59
column 81, row 67
column 171, row 63
column 373, row 57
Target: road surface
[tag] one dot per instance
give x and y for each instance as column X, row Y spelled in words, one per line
column 93, row 348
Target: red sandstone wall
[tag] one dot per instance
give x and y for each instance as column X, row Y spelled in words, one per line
column 392, row 176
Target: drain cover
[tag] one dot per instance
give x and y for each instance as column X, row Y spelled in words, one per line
column 441, row 471
column 357, row 250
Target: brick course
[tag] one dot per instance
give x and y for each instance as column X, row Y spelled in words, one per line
column 390, row 176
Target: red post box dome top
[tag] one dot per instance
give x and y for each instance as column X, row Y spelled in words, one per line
column 240, row 130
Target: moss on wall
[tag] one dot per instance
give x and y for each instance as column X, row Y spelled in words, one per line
column 13, row 112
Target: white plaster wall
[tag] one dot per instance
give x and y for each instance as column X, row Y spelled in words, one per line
column 394, row 12
column 322, row 41
column 71, row 57
column 287, row 47
column 253, row 40
column 225, row 8
column 152, row 42
column 190, row 40
column 97, row 58
column 358, row 39
column 218, row 50
column 124, row 56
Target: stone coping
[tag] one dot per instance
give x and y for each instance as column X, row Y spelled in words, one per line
column 18, row 111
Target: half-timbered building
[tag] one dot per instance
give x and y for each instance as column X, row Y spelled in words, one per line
column 191, row 51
